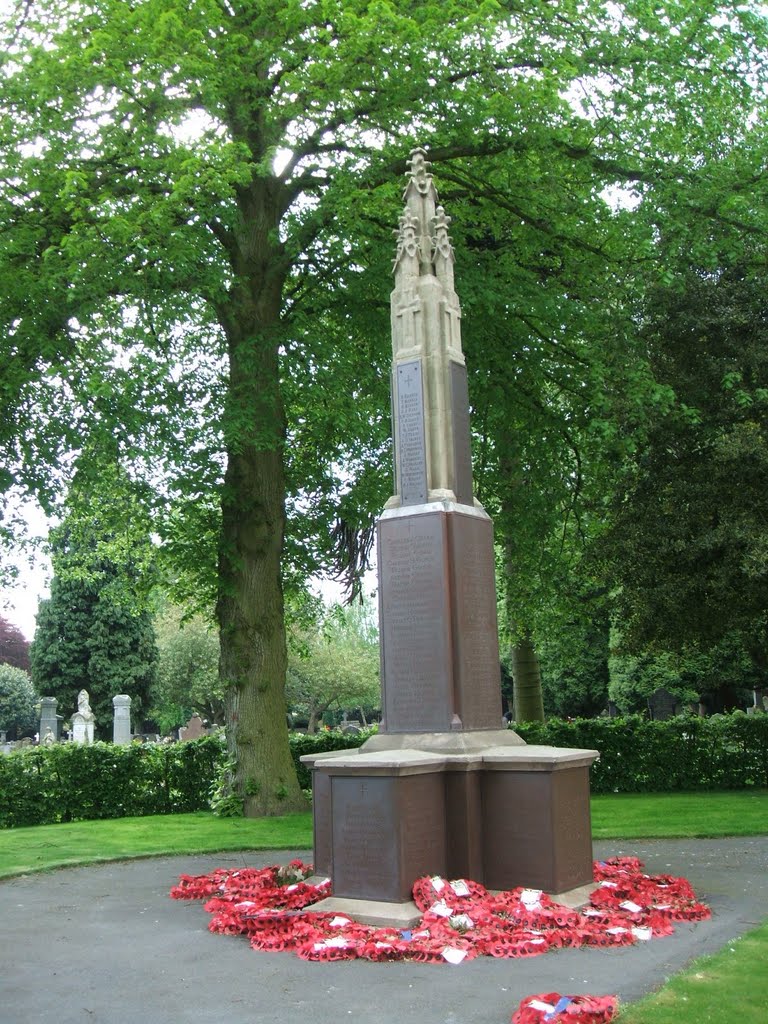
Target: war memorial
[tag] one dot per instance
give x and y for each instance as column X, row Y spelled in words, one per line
column 443, row 789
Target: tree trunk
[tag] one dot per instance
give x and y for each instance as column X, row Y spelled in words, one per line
column 526, row 682
column 250, row 598
column 527, row 697
column 253, row 649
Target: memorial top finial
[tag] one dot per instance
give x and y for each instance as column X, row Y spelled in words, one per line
column 419, row 169
column 420, row 201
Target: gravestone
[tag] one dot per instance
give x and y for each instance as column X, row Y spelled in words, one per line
column 662, row 705
column 83, row 720
column 121, row 726
column 442, row 789
column 193, row 730
column 48, row 717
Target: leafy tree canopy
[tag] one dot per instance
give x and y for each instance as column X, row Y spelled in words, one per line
column 574, row 668
column 333, row 664
column 191, row 189
column 95, row 632
column 687, row 539
column 187, row 680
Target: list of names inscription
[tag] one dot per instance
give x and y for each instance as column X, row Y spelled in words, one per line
column 416, row 676
column 410, row 448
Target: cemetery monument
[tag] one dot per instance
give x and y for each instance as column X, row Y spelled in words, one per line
column 83, row 720
column 121, row 722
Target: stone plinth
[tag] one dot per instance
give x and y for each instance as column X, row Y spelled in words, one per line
column 437, row 613
column 536, row 817
column 503, row 815
column 387, row 823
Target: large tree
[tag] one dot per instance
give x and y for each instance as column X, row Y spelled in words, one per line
column 189, row 188
column 687, row 543
column 95, row 631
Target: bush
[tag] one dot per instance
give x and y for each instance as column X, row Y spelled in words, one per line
column 684, row 753
column 71, row 782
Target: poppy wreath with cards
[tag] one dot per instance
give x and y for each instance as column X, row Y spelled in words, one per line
column 552, row 1008
column 460, row 919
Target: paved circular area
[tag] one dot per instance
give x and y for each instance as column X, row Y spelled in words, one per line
column 106, row 945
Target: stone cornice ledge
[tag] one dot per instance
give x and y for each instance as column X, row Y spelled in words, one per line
column 532, row 758
column 418, row 762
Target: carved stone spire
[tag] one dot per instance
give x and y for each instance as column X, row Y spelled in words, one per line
column 442, row 251
column 431, row 414
column 420, row 198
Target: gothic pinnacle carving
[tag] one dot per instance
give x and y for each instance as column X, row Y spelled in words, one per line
column 419, row 169
column 423, row 229
column 433, row 459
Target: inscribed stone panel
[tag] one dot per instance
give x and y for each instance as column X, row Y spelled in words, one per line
column 410, row 445
column 415, row 626
column 475, row 635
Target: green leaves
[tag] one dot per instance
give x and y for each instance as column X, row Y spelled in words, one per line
column 18, row 702
column 195, row 211
column 686, row 541
column 334, row 664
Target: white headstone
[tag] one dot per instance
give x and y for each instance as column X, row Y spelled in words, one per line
column 83, row 720
column 121, row 732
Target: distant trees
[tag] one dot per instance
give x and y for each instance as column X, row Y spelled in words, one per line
column 14, row 646
column 687, row 545
column 18, row 702
column 333, row 664
column 575, row 667
column 86, row 639
column 95, row 630
column 187, row 680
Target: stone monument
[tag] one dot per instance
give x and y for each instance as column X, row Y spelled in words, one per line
column 121, row 725
column 193, row 730
column 442, row 789
column 83, row 720
column 48, row 717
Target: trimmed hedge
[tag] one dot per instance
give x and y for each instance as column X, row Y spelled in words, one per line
column 684, row 753
column 318, row 743
column 71, row 782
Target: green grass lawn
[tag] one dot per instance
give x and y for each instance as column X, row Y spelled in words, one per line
column 23, row 850
column 620, row 816
column 742, row 812
column 729, row 987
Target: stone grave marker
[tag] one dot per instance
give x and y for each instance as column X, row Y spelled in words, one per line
column 83, row 720
column 662, row 705
column 193, row 730
column 121, row 726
